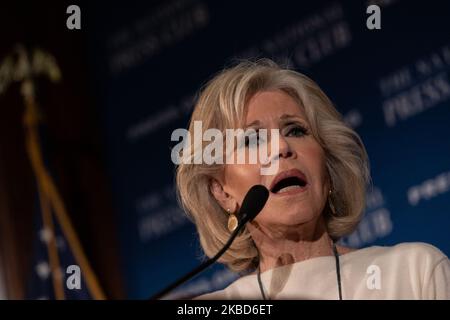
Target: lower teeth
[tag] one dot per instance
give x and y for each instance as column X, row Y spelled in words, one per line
column 286, row 189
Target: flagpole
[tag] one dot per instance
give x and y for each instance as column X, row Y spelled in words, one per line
column 51, row 193
column 31, row 121
column 48, row 192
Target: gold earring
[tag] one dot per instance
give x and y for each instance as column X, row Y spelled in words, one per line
column 330, row 204
column 232, row 221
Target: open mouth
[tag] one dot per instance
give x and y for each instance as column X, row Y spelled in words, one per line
column 288, row 181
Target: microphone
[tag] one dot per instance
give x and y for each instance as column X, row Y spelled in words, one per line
column 253, row 203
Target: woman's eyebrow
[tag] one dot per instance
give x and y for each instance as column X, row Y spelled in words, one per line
column 254, row 123
column 284, row 117
column 291, row 116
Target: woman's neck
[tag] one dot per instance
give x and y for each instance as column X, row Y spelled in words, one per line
column 305, row 243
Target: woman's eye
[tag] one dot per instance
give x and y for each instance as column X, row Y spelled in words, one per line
column 253, row 140
column 296, row 131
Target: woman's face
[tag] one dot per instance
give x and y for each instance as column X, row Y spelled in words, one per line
column 290, row 204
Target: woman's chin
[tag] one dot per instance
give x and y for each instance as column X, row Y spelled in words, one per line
column 292, row 220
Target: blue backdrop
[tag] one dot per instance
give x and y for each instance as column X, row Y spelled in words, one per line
column 392, row 86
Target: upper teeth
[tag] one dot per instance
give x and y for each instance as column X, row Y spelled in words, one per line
column 285, row 189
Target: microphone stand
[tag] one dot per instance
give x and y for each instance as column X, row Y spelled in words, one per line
column 203, row 266
column 253, row 202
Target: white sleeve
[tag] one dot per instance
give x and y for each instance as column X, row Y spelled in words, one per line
column 437, row 287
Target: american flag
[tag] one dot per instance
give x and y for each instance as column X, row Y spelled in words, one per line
column 55, row 272
column 40, row 285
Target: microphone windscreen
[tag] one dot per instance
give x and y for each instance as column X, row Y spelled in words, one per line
column 253, row 203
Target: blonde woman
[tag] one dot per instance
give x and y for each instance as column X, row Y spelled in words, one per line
column 317, row 196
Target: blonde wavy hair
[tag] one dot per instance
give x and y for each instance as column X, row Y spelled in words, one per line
column 222, row 104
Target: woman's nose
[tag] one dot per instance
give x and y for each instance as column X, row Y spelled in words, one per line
column 285, row 149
